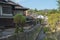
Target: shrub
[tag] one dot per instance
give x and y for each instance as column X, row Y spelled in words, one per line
column 40, row 20
column 19, row 21
column 46, row 30
column 46, row 38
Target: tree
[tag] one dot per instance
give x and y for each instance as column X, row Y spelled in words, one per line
column 58, row 4
column 19, row 21
column 35, row 10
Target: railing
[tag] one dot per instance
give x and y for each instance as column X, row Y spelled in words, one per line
column 32, row 33
column 6, row 16
column 29, row 34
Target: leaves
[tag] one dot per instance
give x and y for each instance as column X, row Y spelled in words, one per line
column 58, row 1
column 53, row 18
column 19, row 19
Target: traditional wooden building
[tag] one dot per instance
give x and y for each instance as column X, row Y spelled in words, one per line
column 7, row 10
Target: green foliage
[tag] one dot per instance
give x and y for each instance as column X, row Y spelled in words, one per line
column 19, row 20
column 46, row 29
column 17, row 29
column 58, row 1
column 36, row 11
column 41, row 21
column 46, row 38
column 53, row 19
column 43, row 12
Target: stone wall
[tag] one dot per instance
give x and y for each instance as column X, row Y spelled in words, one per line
column 29, row 34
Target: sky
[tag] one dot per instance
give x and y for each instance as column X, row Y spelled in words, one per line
column 38, row 4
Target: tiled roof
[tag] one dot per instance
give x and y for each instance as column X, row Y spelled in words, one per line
column 17, row 6
column 11, row 2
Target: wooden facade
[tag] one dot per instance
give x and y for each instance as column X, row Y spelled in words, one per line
column 7, row 10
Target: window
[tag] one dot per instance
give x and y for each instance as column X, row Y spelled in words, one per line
column 6, row 10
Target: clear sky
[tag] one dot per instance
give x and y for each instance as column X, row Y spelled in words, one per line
column 39, row 4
